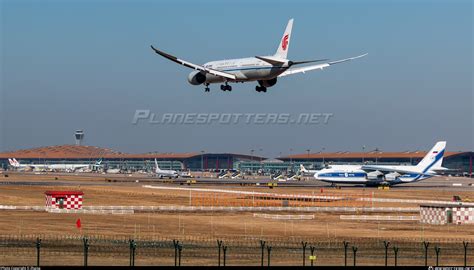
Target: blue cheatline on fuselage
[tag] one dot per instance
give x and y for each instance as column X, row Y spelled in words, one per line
column 342, row 174
column 361, row 178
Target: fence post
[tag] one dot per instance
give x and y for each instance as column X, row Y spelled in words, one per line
column 395, row 250
column 133, row 246
column 437, row 250
column 224, row 249
column 354, row 249
column 386, row 245
column 346, row 244
column 262, row 245
column 426, row 245
column 180, row 248
column 304, row 244
column 38, row 248
column 269, row 249
column 219, row 244
column 465, row 244
column 86, row 249
column 312, row 248
column 175, row 244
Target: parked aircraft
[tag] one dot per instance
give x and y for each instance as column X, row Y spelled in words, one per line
column 164, row 173
column 376, row 175
column 52, row 167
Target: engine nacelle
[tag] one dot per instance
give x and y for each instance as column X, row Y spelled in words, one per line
column 392, row 176
column 196, row 78
column 375, row 175
column 268, row 83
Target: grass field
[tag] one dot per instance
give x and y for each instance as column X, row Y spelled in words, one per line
column 326, row 227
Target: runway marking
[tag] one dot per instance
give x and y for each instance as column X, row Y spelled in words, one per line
column 384, row 218
column 415, row 201
column 300, row 196
column 178, row 208
column 284, row 217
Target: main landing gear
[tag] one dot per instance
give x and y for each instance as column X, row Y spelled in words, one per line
column 207, row 89
column 261, row 88
column 226, row 87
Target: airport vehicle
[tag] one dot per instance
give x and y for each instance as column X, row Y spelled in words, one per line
column 305, row 171
column 164, row 173
column 183, row 174
column 52, row 167
column 263, row 69
column 113, row 170
column 377, row 175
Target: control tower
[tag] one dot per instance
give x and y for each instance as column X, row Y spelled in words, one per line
column 79, row 135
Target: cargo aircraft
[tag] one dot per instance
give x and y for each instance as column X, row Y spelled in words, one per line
column 263, row 69
column 385, row 175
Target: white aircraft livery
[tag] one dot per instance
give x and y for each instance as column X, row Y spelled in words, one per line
column 59, row 167
column 165, row 173
column 305, row 171
column 385, row 175
column 263, row 69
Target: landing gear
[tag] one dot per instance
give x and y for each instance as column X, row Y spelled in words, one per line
column 260, row 88
column 207, row 89
column 226, row 87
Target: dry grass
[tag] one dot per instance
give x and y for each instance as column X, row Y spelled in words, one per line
column 325, row 226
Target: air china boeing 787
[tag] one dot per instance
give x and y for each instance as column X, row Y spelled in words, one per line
column 263, row 69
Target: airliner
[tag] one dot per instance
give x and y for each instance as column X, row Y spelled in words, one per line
column 381, row 175
column 305, row 171
column 164, row 173
column 263, row 69
column 55, row 167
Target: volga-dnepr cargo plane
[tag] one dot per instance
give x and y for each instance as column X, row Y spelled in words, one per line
column 263, row 69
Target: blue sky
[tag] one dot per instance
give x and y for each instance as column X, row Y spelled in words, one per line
column 69, row 65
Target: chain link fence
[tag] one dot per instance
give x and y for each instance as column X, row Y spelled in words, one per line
column 245, row 250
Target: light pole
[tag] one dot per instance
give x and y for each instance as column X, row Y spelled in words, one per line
column 291, row 159
column 202, row 160
column 363, row 153
column 251, row 156
column 322, row 152
column 376, row 154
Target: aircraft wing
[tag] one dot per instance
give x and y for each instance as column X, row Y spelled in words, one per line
column 388, row 169
column 194, row 66
column 291, row 71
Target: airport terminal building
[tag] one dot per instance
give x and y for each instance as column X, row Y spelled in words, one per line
column 459, row 162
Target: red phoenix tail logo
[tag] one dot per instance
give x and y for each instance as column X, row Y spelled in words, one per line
column 284, row 42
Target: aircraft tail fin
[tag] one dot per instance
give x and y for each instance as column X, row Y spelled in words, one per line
column 11, row 162
column 156, row 165
column 302, row 168
column 284, row 45
column 15, row 162
column 433, row 159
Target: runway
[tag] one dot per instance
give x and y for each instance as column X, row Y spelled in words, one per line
column 63, row 179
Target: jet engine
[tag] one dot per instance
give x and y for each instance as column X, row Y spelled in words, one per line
column 196, row 78
column 392, row 176
column 376, row 175
column 268, row 83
